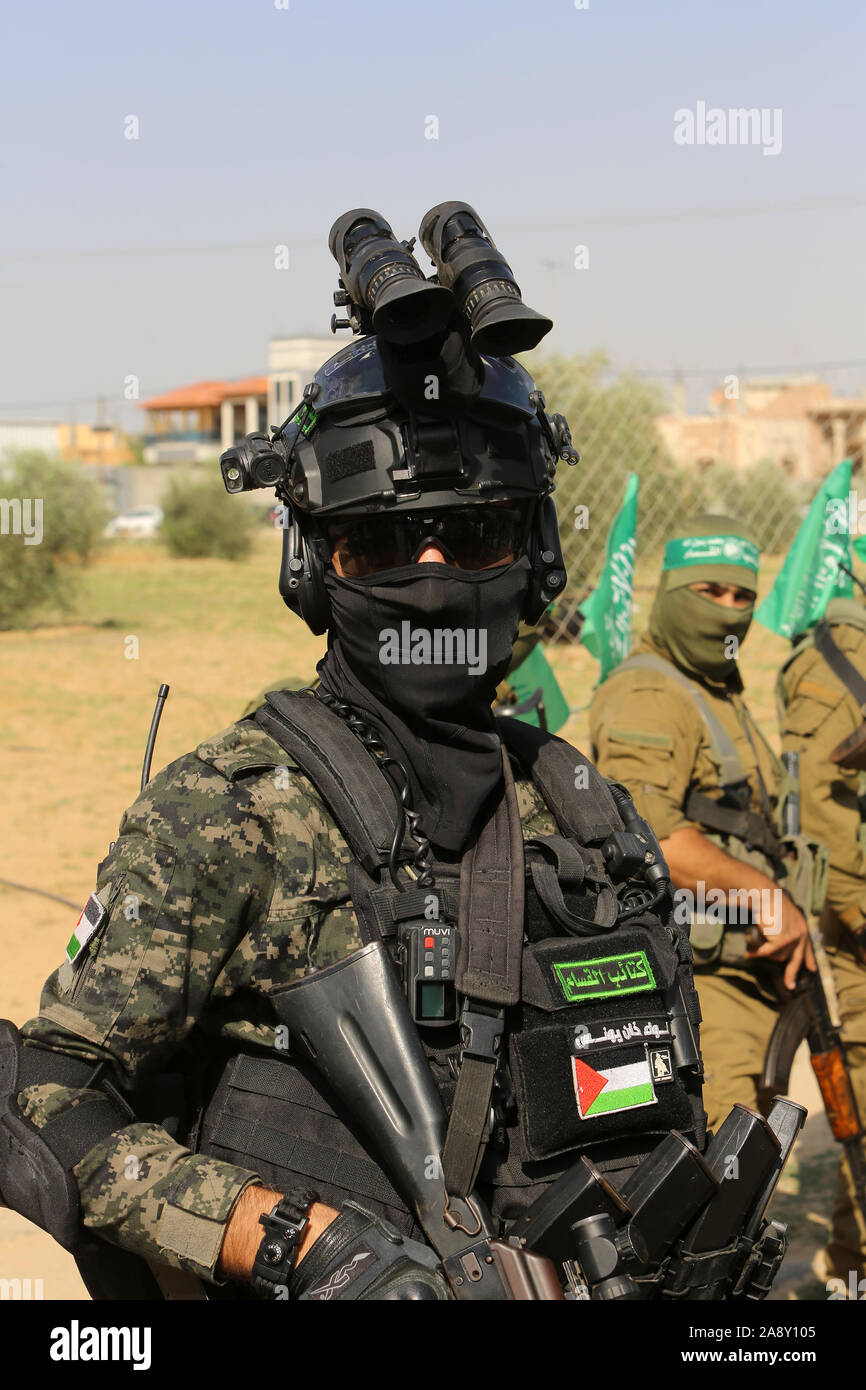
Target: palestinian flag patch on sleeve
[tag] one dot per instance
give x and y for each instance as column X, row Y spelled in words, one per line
column 623, row 1083
column 89, row 922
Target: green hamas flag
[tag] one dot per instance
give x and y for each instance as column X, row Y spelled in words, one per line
column 606, row 631
column 811, row 576
column 526, row 678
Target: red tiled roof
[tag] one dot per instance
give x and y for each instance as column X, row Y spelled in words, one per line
column 203, row 393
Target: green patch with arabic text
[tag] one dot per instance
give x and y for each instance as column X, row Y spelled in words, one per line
column 606, row 977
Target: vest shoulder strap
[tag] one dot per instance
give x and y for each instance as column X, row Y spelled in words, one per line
column 356, row 791
column 361, row 798
column 753, row 829
column 732, row 769
column 577, row 794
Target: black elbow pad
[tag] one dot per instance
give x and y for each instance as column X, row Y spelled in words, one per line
column 36, row 1177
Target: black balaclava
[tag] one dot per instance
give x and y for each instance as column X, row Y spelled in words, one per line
column 433, row 715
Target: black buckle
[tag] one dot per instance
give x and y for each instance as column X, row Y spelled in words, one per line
column 481, row 1033
column 275, row 1259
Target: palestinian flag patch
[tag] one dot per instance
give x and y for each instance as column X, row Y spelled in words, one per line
column 89, row 922
column 610, row 1089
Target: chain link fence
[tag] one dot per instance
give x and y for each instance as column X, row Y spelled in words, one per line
column 758, row 452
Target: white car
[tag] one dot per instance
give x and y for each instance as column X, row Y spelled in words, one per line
column 140, row 522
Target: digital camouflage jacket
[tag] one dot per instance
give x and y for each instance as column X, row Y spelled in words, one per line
column 228, row 876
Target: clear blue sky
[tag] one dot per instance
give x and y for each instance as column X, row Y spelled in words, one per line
column 260, row 125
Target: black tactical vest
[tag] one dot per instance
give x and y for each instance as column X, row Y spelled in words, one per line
column 601, row 1046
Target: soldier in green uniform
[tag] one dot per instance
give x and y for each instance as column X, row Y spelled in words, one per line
column 818, row 711
column 672, row 725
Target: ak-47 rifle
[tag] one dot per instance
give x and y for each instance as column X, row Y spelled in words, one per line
column 813, row 1014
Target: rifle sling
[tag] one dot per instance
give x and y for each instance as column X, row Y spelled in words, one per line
column 839, row 664
column 747, row 826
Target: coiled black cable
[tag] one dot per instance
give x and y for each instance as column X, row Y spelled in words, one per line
column 407, row 821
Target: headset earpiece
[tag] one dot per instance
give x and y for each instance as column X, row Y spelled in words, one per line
column 302, row 577
column 548, row 575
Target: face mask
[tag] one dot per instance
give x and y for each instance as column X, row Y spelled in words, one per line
column 421, row 651
column 697, row 631
column 430, row 639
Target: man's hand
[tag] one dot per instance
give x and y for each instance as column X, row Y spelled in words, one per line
column 361, row 1257
column 693, row 859
column 786, row 936
column 244, row 1233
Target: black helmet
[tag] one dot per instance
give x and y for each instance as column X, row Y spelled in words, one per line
column 393, row 427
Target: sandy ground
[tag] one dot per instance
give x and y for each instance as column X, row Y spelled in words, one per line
column 77, row 698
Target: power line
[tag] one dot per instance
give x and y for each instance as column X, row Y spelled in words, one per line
column 798, row 367
column 40, row 892
column 674, row 373
column 622, row 218
column 718, row 210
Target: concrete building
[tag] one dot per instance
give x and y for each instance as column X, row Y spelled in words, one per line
column 292, row 362
column 91, row 444
column 796, row 421
column 193, row 423
column 30, row 434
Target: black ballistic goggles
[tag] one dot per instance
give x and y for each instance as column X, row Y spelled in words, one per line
column 472, row 538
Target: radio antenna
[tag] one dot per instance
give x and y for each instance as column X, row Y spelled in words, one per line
column 162, row 693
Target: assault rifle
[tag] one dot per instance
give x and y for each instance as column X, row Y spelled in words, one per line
column 679, row 1228
column 813, row 1014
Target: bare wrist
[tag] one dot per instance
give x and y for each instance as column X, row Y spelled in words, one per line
column 243, row 1234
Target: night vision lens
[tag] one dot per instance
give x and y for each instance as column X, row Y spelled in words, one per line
column 382, row 277
column 469, row 263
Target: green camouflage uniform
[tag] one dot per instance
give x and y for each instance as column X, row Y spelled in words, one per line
column 229, row 877
column 817, row 712
column 647, row 733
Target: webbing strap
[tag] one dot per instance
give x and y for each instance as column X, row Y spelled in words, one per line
column 490, row 918
column 839, row 664
column 342, row 771
column 490, row 922
column 466, row 1139
column 73, row 1133
column 38, row 1065
column 732, row 769
column 548, row 886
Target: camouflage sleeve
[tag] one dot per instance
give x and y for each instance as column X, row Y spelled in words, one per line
column 642, row 737
column 141, row 1190
column 190, row 874
column 816, row 719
